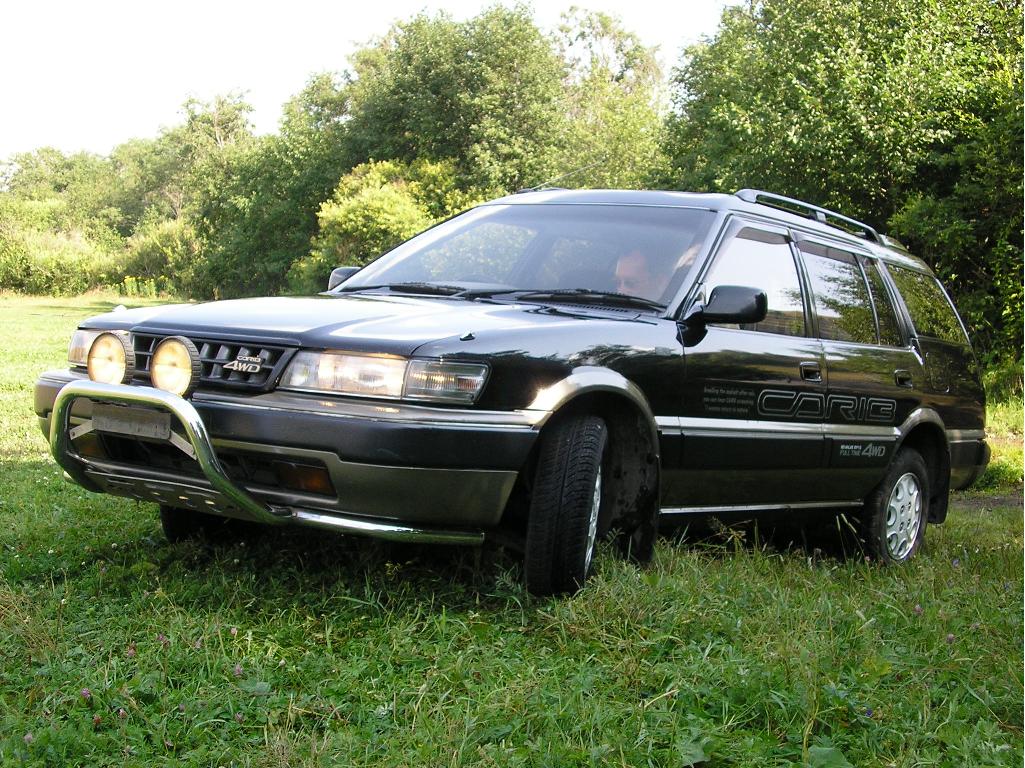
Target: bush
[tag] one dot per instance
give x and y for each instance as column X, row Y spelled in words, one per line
column 374, row 208
column 1004, row 471
column 55, row 264
column 163, row 256
column 1003, row 381
column 41, row 253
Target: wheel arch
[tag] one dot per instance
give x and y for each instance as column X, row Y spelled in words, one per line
column 924, row 431
column 633, row 459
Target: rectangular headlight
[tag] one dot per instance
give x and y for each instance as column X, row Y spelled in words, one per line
column 363, row 375
column 388, row 377
column 78, row 349
column 444, row 382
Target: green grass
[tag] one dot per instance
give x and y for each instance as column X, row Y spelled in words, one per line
column 295, row 648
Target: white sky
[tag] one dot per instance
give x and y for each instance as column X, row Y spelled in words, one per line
column 90, row 75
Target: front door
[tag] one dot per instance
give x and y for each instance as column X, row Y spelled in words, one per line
column 750, row 427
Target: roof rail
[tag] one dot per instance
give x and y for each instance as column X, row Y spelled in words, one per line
column 809, row 211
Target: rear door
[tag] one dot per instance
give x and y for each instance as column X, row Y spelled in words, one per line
column 750, row 424
column 874, row 375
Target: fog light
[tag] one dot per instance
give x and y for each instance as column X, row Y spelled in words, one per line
column 302, row 477
column 111, row 359
column 175, row 366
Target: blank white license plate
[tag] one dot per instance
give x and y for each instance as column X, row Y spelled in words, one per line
column 134, row 422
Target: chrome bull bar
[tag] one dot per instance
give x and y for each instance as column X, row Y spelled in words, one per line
column 196, row 443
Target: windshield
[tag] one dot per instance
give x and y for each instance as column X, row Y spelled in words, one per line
column 640, row 251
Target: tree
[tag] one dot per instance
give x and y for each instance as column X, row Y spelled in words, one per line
column 484, row 93
column 257, row 201
column 375, row 207
column 612, row 102
column 878, row 108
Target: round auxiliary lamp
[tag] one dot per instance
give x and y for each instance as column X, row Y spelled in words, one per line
column 111, row 359
column 175, row 366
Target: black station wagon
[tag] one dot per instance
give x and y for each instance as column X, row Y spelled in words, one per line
column 548, row 369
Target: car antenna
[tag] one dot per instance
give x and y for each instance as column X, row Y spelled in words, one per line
column 548, row 184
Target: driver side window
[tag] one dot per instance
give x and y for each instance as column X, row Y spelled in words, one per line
column 762, row 260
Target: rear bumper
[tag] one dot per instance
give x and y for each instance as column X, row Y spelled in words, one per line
column 447, row 479
column 969, row 457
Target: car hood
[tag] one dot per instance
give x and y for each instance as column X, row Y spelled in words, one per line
column 363, row 322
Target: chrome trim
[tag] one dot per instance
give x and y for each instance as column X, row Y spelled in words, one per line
column 188, row 417
column 683, row 425
column 384, row 530
column 343, row 408
column 371, row 494
column 759, row 507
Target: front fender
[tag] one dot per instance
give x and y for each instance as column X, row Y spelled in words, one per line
column 591, row 380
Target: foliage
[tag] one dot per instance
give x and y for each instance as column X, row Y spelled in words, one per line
column 256, row 205
column 290, row 647
column 164, row 254
column 375, row 207
column 965, row 214
column 42, row 252
column 484, row 93
column 612, row 102
column 907, row 112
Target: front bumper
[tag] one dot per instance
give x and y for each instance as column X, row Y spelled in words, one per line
column 398, row 471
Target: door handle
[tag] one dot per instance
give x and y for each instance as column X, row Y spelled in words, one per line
column 902, row 378
column 811, row 371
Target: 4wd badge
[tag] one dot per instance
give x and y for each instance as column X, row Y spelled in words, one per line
column 244, row 364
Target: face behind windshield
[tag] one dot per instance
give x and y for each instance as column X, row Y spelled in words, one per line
column 641, row 251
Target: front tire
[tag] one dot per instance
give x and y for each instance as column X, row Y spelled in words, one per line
column 895, row 513
column 565, row 506
column 181, row 524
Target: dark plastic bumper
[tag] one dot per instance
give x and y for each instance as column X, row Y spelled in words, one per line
column 406, row 472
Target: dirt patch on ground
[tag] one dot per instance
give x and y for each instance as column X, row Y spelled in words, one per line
column 988, row 500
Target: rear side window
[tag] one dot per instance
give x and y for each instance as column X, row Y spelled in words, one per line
column 763, row 260
column 931, row 311
column 842, row 301
column 889, row 329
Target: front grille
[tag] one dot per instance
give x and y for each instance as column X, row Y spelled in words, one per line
column 215, row 354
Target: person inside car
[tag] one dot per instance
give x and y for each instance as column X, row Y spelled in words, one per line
column 637, row 275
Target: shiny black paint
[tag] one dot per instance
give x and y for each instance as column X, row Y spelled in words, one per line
column 685, row 370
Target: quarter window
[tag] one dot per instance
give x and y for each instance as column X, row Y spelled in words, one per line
column 842, row 302
column 763, row 260
column 889, row 329
column 931, row 311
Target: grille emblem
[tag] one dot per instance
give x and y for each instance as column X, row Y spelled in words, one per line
column 244, row 364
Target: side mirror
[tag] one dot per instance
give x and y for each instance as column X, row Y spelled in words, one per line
column 733, row 304
column 339, row 275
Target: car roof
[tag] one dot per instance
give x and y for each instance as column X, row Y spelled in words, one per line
column 886, row 249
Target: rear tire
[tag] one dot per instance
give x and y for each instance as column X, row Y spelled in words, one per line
column 565, row 506
column 895, row 513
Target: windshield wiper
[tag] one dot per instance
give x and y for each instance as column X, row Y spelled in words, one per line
column 588, row 296
column 423, row 289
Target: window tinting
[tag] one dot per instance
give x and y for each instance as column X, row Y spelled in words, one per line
column 931, row 311
column 766, row 263
column 550, row 247
column 889, row 329
column 487, row 252
column 842, row 303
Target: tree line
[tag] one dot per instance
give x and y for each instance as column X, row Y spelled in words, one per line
column 906, row 114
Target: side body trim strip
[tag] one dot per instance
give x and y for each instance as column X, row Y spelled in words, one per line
column 673, row 511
